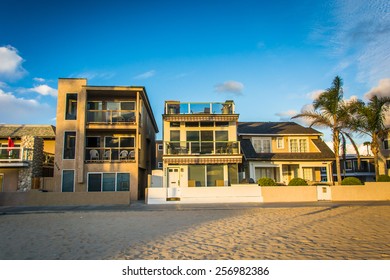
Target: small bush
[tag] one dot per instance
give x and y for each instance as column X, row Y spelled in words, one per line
column 266, row 182
column 384, row 178
column 351, row 181
column 297, row 182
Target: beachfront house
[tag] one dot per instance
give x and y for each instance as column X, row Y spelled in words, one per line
column 105, row 138
column 26, row 156
column 283, row 151
column 384, row 158
column 350, row 167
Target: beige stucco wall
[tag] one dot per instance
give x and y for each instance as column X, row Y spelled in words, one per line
column 370, row 191
column 289, row 194
column 35, row 198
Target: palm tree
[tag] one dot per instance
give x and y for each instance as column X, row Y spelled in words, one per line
column 331, row 111
column 371, row 122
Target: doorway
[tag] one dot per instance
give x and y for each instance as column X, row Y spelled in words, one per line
column 173, row 177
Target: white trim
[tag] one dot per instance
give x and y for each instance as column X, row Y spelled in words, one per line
column 62, row 178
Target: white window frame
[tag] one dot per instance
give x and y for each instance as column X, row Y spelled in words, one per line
column 262, row 140
column 282, row 143
column 298, row 147
column 160, row 147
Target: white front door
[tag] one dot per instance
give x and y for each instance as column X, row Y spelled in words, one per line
column 173, row 177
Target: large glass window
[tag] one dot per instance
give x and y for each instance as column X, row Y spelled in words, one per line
column 262, row 145
column 108, row 182
column 196, row 176
column 71, row 106
column 69, row 145
column 215, row 175
column 67, row 181
column 207, row 138
column 193, row 141
column 233, row 174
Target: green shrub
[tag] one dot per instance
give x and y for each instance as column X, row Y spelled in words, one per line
column 384, row 178
column 297, row 182
column 266, row 182
column 351, row 181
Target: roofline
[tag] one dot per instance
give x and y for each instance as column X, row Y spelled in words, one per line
column 279, row 134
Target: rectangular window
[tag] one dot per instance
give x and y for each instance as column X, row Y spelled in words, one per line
column 160, row 147
column 108, row 182
column 196, row 176
column 192, row 124
column 386, row 144
column 67, row 181
column 207, row 124
column 221, row 124
column 233, row 174
column 174, row 124
column 207, row 139
column 71, row 106
column 388, row 164
column 261, row 145
column 298, row 146
column 69, row 145
column 175, row 135
column 93, row 141
column 160, row 165
column 279, row 143
column 215, row 175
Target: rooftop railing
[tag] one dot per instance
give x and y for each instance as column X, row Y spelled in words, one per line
column 111, row 116
column 202, row 148
column 173, row 107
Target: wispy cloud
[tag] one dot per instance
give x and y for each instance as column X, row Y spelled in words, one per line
column 44, row 90
column 93, row 75
column 360, row 37
column 381, row 90
column 39, row 80
column 145, row 75
column 230, row 87
column 11, row 63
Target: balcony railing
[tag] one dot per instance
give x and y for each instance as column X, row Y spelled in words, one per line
column 109, row 154
column 15, row 154
column 199, row 108
column 111, row 116
column 202, row 148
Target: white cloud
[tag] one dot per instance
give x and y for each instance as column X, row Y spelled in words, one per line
column 382, row 90
column 231, row 87
column 44, row 90
column 91, row 75
column 20, row 110
column 11, row 63
column 314, row 94
column 39, row 80
column 145, row 75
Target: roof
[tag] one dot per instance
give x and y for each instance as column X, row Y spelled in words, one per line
column 17, row 131
column 274, row 128
column 324, row 154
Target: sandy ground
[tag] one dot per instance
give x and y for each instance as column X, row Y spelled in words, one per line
column 277, row 233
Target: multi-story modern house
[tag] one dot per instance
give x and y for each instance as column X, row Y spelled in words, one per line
column 26, row 155
column 105, row 138
column 200, row 145
column 283, row 151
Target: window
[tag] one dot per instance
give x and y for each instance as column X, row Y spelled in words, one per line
column 93, row 141
column 174, row 124
column 279, row 143
column 69, row 145
column 388, row 164
column 206, row 138
column 215, row 175
column 196, row 175
column 67, row 181
column 206, row 124
column 386, row 144
column 175, row 135
column 348, row 165
column 160, row 165
column 160, row 147
column 71, row 106
column 192, row 124
column 262, row 145
column 221, row 124
column 108, row 182
column 298, row 145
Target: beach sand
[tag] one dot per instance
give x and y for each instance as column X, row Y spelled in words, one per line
column 308, row 233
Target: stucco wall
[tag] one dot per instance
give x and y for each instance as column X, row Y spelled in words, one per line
column 289, row 194
column 35, row 198
column 370, row 191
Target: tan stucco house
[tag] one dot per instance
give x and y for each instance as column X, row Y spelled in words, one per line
column 105, row 138
column 283, row 151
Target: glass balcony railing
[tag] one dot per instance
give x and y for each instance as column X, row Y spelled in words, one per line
column 199, row 108
column 111, row 116
column 202, row 148
column 109, row 154
column 15, row 154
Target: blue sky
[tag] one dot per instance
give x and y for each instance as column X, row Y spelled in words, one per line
column 270, row 57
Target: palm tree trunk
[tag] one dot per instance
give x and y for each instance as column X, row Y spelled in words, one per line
column 375, row 151
column 336, row 148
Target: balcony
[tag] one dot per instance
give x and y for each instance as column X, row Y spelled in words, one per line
column 202, row 148
column 102, row 155
column 111, row 116
column 15, row 157
column 175, row 107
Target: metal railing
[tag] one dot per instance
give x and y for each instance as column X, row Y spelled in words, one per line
column 15, row 154
column 199, row 108
column 202, row 148
column 111, row 116
column 109, row 154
